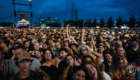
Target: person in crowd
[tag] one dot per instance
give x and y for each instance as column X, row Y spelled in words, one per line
column 132, row 50
column 70, row 63
column 50, row 73
column 34, row 66
column 106, row 65
column 47, row 58
column 39, row 55
column 79, row 73
column 121, row 53
column 117, row 71
column 5, row 65
column 92, row 72
column 24, row 62
column 36, row 47
column 27, row 44
column 58, row 47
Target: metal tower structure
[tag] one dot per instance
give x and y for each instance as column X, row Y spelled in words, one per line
column 23, row 5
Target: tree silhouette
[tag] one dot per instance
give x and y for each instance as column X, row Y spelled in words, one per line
column 132, row 21
column 102, row 24
column 110, row 23
column 94, row 23
column 89, row 23
column 119, row 22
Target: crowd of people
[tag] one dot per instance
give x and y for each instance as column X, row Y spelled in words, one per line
column 68, row 54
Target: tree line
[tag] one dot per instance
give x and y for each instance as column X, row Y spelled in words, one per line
column 110, row 23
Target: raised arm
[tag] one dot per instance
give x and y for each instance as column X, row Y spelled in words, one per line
column 94, row 46
column 67, row 30
column 82, row 37
column 73, row 39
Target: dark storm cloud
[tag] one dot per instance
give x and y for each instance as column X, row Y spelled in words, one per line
column 61, row 9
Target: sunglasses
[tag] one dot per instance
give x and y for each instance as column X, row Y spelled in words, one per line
column 83, row 49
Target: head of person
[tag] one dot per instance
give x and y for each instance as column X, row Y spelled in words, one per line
column 45, row 46
column 57, row 45
column 69, row 59
column 118, row 44
column 101, row 48
column 63, row 53
column 101, row 38
column 107, row 56
column 11, row 42
column 3, row 44
column 1, row 56
column 18, row 50
column 66, row 42
column 83, row 50
column 78, row 41
column 24, row 61
column 20, row 41
column 50, row 41
column 92, row 72
column 36, row 46
column 50, row 73
column 118, row 63
column 88, row 58
column 27, row 44
column 73, row 46
column 90, row 44
column 47, row 55
column 135, row 42
column 121, row 52
column 79, row 73
column 38, row 53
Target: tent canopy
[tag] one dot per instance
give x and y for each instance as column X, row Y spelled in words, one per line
column 23, row 21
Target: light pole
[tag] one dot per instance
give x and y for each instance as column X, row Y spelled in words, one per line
column 31, row 12
column 14, row 10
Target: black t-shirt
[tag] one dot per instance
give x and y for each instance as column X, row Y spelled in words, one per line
column 28, row 78
column 131, row 54
column 61, row 66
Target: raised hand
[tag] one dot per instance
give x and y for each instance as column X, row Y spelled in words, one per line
column 75, row 63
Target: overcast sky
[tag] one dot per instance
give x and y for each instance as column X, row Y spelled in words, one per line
column 61, row 9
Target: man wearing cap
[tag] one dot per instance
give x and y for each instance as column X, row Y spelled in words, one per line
column 35, row 64
column 24, row 62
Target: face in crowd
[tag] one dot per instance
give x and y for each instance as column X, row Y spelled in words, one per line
column 48, row 55
column 36, row 46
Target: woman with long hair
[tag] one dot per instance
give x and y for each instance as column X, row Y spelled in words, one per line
column 70, row 63
column 92, row 72
column 106, row 66
column 117, row 71
column 122, row 53
column 47, row 58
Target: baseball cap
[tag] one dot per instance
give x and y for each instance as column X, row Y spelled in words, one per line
column 23, row 56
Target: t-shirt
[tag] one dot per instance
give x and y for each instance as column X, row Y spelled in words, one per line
column 131, row 54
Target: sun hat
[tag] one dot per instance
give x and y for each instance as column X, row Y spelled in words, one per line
column 83, row 46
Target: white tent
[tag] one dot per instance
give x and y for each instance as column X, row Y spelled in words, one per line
column 23, row 21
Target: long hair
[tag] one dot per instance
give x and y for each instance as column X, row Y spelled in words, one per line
column 99, row 74
column 114, row 67
column 43, row 60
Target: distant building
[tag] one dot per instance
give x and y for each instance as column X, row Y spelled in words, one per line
column 74, row 14
column 41, row 20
